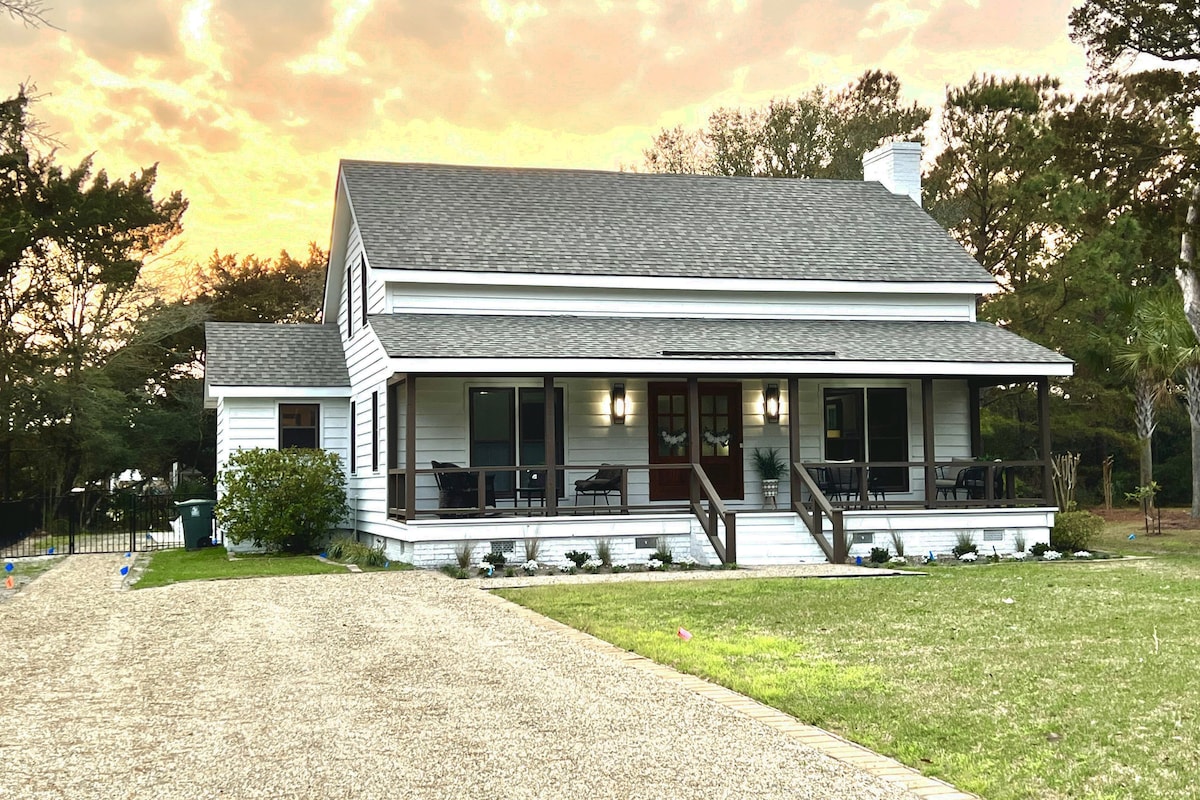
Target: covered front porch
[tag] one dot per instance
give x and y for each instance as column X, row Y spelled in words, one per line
column 871, row 461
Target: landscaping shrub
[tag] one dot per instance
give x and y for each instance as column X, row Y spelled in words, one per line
column 662, row 552
column 1075, row 530
column 348, row 551
column 879, row 555
column 284, row 500
column 463, row 553
column 579, row 557
column 1040, row 549
column 964, row 544
column 497, row 560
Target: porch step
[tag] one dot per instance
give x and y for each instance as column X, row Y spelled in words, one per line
column 772, row 538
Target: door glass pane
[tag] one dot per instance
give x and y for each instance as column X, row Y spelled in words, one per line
column 844, row 425
column 672, row 425
column 492, row 434
column 532, row 433
column 887, row 436
column 714, row 425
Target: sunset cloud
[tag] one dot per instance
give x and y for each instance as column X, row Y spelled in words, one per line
column 247, row 107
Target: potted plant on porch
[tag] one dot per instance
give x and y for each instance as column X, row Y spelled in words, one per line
column 770, row 468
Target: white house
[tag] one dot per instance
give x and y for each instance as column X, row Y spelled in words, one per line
column 679, row 323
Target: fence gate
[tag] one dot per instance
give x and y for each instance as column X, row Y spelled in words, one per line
column 89, row 522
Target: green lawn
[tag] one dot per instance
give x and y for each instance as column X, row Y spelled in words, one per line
column 1082, row 686
column 212, row 563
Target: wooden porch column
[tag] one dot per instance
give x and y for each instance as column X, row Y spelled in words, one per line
column 1043, row 386
column 410, row 447
column 793, row 389
column 693, row 442
column 927, row 422
column 551, row 446
column 973, row 411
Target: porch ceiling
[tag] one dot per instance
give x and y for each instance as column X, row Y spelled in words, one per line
column 453, row 342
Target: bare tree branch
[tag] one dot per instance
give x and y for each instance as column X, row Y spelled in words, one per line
column 30, row 13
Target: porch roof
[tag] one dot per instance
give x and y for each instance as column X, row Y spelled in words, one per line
column 495, row 343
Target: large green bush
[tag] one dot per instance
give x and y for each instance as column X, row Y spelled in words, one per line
column 282, row 499
column 1074, row 530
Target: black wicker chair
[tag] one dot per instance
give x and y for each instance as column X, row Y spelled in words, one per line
column 602, row 484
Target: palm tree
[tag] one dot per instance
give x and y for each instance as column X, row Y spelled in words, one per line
column 1178, row 332
column 1151, row 355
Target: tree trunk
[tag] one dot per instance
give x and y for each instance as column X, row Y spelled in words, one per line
column 1189, row 283
column 1143, row 402
column 1191, row 375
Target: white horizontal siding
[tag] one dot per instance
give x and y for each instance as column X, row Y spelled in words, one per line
column 476, row 299
column 248, row 422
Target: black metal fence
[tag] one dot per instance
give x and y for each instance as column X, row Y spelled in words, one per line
column 90, row 522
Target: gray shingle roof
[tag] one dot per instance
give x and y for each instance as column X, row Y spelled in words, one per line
column 263, row 354
column 468, row 336
column 441, row 217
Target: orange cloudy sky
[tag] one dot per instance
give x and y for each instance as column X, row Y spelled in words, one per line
column 247, row 105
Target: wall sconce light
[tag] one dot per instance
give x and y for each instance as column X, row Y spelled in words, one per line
column 617, row 407
column 771, row 402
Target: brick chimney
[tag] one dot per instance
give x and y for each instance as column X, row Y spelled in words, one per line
column 897, row 165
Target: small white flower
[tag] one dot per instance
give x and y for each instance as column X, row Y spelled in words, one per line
column 968, row 557
column 1008, row 601
column 1020, row 555
column 688, row 560
column 897, row 560
column 1082, row 554
column 1051, row 555
column 593, row 563
column 530, row 566
column 620, row 565
column 653, row 563
column 566, row 565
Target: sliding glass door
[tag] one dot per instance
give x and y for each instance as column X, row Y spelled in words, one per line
column 869, row 425
column 508, row 428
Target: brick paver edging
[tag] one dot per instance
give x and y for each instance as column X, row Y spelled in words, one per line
column 830, row 744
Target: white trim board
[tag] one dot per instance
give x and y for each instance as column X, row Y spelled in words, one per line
column 723, row 367
column 606, row 281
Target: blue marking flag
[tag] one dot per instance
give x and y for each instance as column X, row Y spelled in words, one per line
column 387, row 564
column 8, row 567
column 1132, row 536
column 127, row 555
column 124, row 570
column 49, row 551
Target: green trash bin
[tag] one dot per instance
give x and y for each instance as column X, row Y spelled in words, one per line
column 197, row 517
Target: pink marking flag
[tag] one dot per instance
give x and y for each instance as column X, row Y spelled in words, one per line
column 684, row 634
column 8, row 582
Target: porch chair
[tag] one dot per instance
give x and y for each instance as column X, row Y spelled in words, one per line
column 602, row 484
column 461, row 489
column 949, row 477
column 973, row 482
column 843, row 482
column 820, row 476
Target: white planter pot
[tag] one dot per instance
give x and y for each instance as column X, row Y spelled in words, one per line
column 770, row 488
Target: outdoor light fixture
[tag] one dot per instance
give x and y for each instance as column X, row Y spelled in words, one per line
column 771, row 402
column 617, row 409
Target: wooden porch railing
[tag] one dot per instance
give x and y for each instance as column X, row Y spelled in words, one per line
column 814, row 520
column 702, row 490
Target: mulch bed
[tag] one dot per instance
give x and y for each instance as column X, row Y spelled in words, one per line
column 1173, row 519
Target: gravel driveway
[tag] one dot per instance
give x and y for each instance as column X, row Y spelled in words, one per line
column 354, row 686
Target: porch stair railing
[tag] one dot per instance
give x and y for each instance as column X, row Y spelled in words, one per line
column 714, row 516
column 814, row 520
